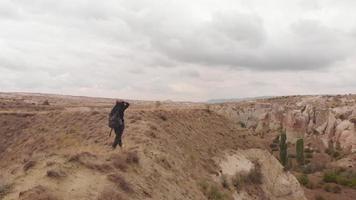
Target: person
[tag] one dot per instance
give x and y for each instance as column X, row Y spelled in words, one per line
column 117, row 122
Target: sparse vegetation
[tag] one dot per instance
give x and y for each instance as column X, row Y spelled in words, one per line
column 242, row 124
column 309, row 155
column 4, row 189
column 121, row 182
column 215, row 194
column 132, row 158
column 254, row 176
column 225, row 182
column 212, row 192
column 341, row 177
column 319, row 197
column 303, row 179
column 327, row 187
column 313, row 167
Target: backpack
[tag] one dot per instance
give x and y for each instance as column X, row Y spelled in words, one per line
column 114, row 120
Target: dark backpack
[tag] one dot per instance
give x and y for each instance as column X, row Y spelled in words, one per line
column 114, row 120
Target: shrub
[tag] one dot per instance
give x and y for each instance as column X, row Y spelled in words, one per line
column 303, row 179
column 292, row 156
column 336, row 189
column 307, row 150
column 242, row 124
column 330, row 177
column 215, row 194
column 46, row 103
column 224, row 182
column 300, row 151
column 276, row 140
column 327, row 187
column 336, row 154
column 204, row 186
column 310, row 185
column 345, row 178
column 5, row 189
column 319, row 197
column 313, row 167
column 211, row 192
column 253, row 177
column 238, row 181
column 309, row 155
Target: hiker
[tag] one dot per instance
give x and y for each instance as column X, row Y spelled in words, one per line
column 116, row 121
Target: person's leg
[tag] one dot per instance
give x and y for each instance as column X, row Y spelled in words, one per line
column 117, row 137
column 118, row 133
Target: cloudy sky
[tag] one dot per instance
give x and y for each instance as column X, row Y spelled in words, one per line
column 181, row 50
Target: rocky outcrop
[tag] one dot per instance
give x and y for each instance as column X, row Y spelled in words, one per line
column 277, row 184
column 327, row 117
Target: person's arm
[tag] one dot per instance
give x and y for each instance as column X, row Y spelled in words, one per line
column 126, row 105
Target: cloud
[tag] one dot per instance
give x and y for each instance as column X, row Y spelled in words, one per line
column 176, row 49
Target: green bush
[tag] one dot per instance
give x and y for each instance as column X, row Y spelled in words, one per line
column 303, row 179
column 341, row 177
column 330, row 177
column 300, row 151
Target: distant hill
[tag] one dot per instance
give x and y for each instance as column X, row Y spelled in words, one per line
column 237, row 99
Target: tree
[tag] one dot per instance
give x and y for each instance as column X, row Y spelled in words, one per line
column 283, row 154
column 300, row 151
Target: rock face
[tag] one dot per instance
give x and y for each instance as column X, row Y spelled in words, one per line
column 277, row 184
column 331, row 118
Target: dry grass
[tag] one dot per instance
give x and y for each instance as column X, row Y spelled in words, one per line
column 29, row 165
column 110, row 194
column 56, row 173
column 90, row 161
column 123, row 161
column 37, row 193
column 120, row 181
column 132, row 158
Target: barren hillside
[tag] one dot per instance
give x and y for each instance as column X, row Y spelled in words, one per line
column 57, row 147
